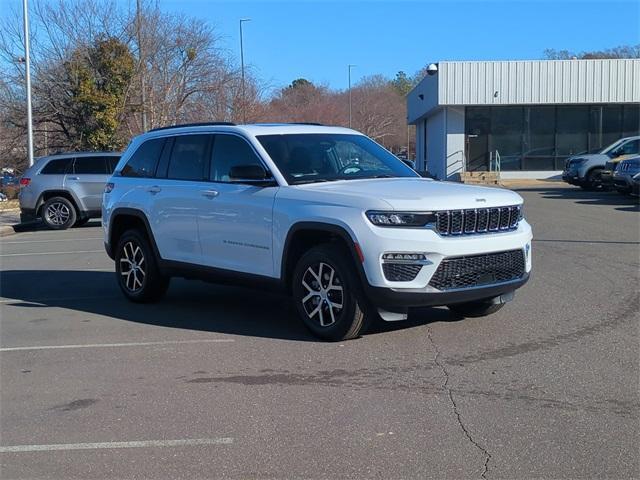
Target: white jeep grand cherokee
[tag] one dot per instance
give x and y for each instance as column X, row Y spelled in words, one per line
column 323, row 212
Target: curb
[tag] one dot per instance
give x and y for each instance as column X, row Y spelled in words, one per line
column 6, row 230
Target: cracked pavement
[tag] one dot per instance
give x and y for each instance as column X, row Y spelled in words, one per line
column 545, row 388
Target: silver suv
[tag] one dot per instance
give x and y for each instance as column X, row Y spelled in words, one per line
column 65, row 190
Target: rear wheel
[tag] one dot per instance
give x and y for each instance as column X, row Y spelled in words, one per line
column 593, row 180
column 58, row 213
column 328, row 295
column 137, row 271
column 476, row 309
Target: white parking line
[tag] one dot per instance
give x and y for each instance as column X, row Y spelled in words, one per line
column 61, row 299
column 49, row 241
column 187, row 442
column 111, row 345
column 50, row 253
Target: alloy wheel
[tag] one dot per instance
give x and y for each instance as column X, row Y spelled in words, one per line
column 58, row 213
column 132, row 267
column 324, row 299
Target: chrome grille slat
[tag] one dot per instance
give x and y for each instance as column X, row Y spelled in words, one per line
column 478, row 220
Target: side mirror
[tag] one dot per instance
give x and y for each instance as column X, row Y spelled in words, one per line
column 409, row 163
column 252, row 174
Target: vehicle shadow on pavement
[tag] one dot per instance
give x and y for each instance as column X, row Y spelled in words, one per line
column 38, row 225
column 626, row 203
column 189, row 304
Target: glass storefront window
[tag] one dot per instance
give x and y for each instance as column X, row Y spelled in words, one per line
column 539, row 138
column 572, row 127
column 542, row 137
column 506, row 136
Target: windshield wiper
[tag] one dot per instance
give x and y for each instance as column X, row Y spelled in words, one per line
column 314, row 180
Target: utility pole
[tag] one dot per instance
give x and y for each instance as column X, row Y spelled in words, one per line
column 143, row 94
column 244, row 98
column 350, row 67
column 27, row 68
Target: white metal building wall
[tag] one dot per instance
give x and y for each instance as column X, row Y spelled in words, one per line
column 538, row 82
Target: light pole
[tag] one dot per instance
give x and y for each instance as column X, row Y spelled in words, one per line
column 244, row 103
column 27, row 68
column 350, row 67
column 143, row 99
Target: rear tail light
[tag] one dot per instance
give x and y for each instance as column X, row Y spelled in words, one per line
column 25, row 182
column 108, row 188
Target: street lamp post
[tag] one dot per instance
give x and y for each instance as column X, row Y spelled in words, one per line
column 244, row 102
column 27, row 68
column 350, row 67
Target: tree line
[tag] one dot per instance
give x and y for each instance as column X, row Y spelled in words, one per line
column 101, row 69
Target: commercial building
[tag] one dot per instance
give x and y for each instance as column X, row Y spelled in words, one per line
column 523, row 117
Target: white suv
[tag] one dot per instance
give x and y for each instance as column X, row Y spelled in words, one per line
column 324, row 212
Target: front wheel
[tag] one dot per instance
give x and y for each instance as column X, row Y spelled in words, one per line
column 137, row 271
column 328, row 295
column 593, row 180
column 475, row 309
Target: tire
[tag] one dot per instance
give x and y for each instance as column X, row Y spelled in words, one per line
column 475, row 309
column 137, row 271
column 80, row 222
column 593, row 180
column 58, row 213
column 338, row 310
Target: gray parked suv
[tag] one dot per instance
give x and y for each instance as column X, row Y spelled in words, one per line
column 65, row 190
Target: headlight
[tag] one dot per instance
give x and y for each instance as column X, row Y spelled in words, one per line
column 400, row 219
column 521, row 213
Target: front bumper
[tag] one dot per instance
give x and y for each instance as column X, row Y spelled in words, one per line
column 572, row 177
column 398, row 300
column 622, row 181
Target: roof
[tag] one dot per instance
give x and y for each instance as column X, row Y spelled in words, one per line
column 254, row 129
column 526, row 82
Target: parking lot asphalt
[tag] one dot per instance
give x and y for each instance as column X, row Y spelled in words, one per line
column 222, row 382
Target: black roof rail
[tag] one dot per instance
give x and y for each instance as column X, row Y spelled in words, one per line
column 200, row 124
column 307, row 123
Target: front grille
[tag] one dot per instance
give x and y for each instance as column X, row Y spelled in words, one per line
column 478, row 220
column 400, row 272
column 478, row 270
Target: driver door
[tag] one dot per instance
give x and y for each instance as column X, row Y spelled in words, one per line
column 235, row 225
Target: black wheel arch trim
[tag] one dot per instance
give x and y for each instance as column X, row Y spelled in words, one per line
column 323, row 227
column 130, row 212
column 58, row 193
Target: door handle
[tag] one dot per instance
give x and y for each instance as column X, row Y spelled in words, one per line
column 210, row 193
column 155, row 189
column 74, row 178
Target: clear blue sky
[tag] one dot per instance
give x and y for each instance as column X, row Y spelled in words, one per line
column 318, row 39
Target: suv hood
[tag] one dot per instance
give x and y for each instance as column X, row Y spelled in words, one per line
column 419, row 194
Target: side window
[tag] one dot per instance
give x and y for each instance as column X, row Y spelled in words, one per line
column 111, row 164
column 230, row 151
column 631, row 147
column 59, row 166
column 143, row 162
column 90, row 165
column 189, row 157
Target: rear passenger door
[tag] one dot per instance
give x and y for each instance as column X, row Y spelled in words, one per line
column 176, row 196
column 87, row 181
column 235, row 222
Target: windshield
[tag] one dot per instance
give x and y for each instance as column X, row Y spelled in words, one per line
column 612, row 146
column 312, row 157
